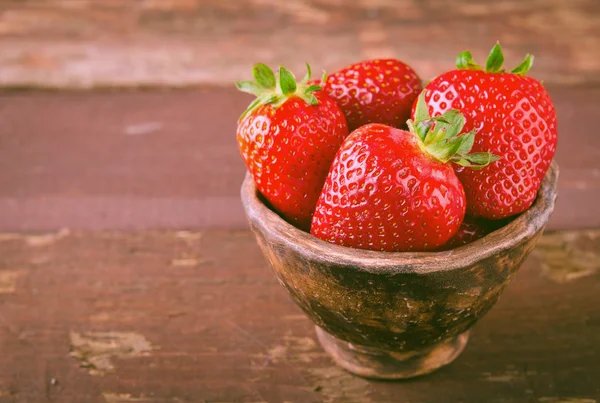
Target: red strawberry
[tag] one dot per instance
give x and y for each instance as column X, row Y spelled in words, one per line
column 375, row 91
column 395, row 190
column 514, row 118
column 288, row 137
column 471, row 229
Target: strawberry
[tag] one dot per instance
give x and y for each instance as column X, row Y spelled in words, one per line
column 394, row 190
column 471, row 229
column 375, row 91
column 288, row 137
column 514, row 118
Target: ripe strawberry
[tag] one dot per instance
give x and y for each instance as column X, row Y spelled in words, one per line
column 514, row 118
column 375, row 91
column 288, row 137
column 395, row 190
column 471, row 229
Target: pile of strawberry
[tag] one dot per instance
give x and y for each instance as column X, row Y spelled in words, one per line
column 367, row 158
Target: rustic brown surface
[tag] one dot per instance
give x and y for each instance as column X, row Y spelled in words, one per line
column 168, row 159
column 193, row 317
column 90, row 43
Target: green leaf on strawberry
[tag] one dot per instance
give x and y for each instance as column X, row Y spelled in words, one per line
column 441, row 137
column 264, row 76
column 465, row 61
column 524, row 67
column 275, row 90
column 494, row 62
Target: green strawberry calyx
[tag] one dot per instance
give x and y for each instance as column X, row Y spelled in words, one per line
column 494, row 62
column 441, row 137
column 276, row 89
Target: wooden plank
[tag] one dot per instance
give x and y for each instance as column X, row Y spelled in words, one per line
column 99, row 43
column 186, row 316
column 169, row 159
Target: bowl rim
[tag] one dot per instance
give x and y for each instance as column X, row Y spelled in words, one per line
column 525, row 226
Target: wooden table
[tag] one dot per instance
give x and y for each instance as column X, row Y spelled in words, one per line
column 127, row 273
column 178, row 316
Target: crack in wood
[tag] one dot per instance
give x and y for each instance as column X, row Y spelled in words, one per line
column 129, row 398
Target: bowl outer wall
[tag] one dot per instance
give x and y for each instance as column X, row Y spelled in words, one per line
column 399, row 301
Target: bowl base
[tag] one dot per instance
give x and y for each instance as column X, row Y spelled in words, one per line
column 375, row 363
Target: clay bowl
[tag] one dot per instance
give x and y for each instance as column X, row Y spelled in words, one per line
column 395, row 315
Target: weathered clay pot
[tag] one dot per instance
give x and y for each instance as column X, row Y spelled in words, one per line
column 395, row 315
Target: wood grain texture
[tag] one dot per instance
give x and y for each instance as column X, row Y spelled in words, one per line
column 198, row 317
column 92, row 43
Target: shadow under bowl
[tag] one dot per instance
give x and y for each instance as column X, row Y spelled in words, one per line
column 393, row 315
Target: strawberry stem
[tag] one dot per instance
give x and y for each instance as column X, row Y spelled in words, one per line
column 494, row 62
column 276, row 89
column 441, row 137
